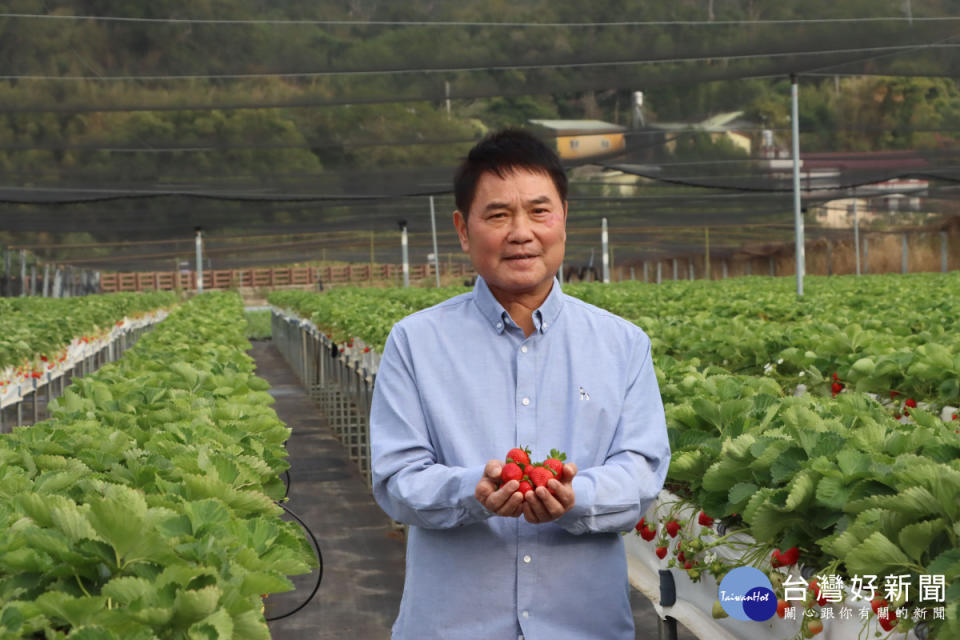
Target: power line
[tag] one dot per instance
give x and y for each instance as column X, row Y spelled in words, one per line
column 346, row 145
column 462, row 23
column 487, row 68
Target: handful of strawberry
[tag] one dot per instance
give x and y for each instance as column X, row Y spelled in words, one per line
column 531, row 475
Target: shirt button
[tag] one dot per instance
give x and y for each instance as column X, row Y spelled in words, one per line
column 523, row 349
column 499, row 325
column 545, row 324
column 525, row 401
column 527, row 559
column 526, row 614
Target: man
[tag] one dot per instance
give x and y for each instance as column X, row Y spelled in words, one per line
column 515, row 362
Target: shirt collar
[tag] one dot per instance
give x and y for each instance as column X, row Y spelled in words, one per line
column 543, row 317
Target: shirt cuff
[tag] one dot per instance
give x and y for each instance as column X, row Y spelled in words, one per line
column 474, row 510
column 573, row 521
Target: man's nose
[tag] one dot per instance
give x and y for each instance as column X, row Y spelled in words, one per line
column 521, row 229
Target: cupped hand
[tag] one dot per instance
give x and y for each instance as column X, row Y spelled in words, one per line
column 504, row 501
column 540, row 506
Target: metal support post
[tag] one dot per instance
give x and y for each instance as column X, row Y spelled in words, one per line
column 904, row 254
column 856, row 232
column 433, row 228
column 706, row 259
column 23, row 272
column 605, row 250
column 403, row 248
column 199, row 247
column 57, row 282
column 797, row 213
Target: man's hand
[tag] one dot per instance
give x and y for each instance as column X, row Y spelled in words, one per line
column 540, row 506
column 505, row 501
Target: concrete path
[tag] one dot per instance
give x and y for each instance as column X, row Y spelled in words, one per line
column 363, row 555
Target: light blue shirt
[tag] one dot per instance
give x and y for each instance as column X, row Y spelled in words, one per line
column 458, row 385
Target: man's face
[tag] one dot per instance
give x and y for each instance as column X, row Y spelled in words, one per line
column 515, row 232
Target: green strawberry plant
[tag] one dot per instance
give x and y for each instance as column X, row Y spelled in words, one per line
column 31, row 327
column 806, row 423
column 145, row 507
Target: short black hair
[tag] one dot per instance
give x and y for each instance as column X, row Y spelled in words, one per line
column 503, row 152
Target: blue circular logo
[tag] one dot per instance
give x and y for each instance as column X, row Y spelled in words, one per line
column 745, row 593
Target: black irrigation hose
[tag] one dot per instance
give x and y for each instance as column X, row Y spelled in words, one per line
column 316, row 587
column 287, row 492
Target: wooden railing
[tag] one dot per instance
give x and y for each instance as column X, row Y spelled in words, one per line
column 270, row 278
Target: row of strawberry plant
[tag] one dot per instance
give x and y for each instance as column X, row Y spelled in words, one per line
column 146, row 506
column 880, row 334
column 837, row 481
column 31, row 328
column 829, row 475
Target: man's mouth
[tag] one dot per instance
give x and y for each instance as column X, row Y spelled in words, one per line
column 522, row 256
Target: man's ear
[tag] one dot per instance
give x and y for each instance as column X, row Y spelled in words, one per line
column 460, row 222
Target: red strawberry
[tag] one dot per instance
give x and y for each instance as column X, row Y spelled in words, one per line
column 911, row 403
column 814, row 587
column 786, row 558
column 672, row 528
column 661, row 552
column 781, row 607
column 642, row 524
column 555, row 462
column 836, row 388
column 955, row 416
column 835, row 376
column 687, row 565
column 539, row 476
column 511, row 471
column 705, row 520
column 648, row 533
column 525, row 487
column 894, row 394
column 889, row 622
column 518, row 455
column 681, row 557
column 878, row 603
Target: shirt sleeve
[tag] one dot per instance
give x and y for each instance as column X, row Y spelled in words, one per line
column 409, row 483
column 614, row 496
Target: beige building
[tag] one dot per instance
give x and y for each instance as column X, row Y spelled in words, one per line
column 576, row 139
